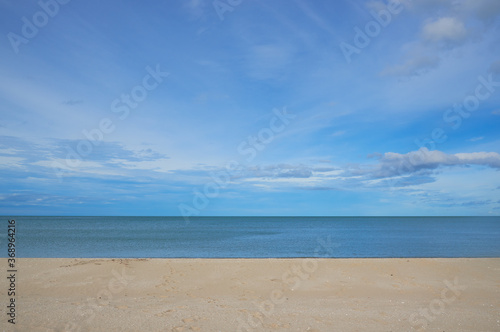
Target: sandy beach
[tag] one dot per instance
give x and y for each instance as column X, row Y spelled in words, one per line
column 254, row 295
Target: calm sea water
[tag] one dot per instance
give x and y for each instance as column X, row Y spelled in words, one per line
column 254, row 237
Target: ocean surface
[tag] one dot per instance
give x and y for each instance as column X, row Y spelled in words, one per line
column 253, row 237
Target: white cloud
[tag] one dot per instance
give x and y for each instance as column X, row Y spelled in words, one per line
column 393, row 169
column 9, row 151
column 284, row 171
column 395, row 164
column 448, row 30
column 491, row 159
column 11, row 162
column 413, row 66
column 475, row 139
column 449, row 25
column 158, row 165
column 483, row 9
column 82, row 168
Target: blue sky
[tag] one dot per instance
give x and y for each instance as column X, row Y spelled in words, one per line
column 250, row 107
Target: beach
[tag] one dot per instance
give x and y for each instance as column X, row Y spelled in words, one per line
column 389, row 294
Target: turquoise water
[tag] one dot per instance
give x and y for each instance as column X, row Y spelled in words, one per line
column 254, row 237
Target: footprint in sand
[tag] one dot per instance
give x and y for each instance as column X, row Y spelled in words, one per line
column 165, row 313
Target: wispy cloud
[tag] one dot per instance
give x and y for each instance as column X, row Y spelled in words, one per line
column 413, row 66
column 269, row 61
column 449, row 25
column 476, row 203
column 225, row 79
column 73, row 102
column 395, row 164
column 447, row 31
column 338, row 133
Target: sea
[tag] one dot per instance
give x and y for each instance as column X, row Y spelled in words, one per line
column 252, row 237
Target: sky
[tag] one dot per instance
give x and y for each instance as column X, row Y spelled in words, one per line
column 252, row 107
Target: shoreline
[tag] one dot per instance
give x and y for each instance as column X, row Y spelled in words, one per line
column 4, row 259
column 248, row 294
